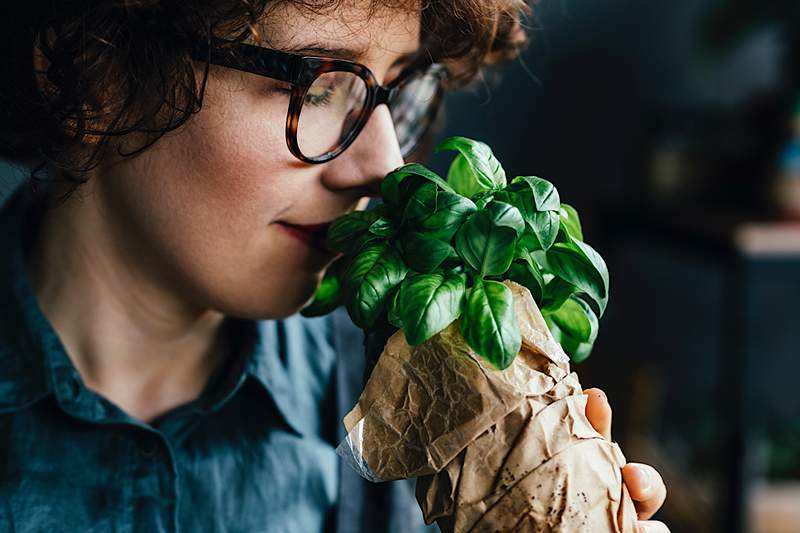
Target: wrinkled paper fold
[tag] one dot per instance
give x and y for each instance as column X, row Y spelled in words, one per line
column 492, row 450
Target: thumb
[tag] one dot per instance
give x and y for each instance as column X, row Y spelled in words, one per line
column 598, row 411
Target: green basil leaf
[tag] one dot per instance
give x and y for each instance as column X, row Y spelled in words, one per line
column 571, row 221
column 464, row 180
column 504, row 214
column 475, row 168
column 394, row 193
column 544, row 194
column 529, row 276
column 348, row 233
column 489, row 324
column 523, row 254
column 577, row 351
column 503, row 196
column 544, row 224
column 545, row 227
column 523, row 202
column 382, row 227
column 485, row 247
column 529, row 241
column 579, row 264
column 577, row 319
column 393, row 312
column 555, row 293
column 428, row 303
column 483, row 199
column 374, row 272
column 526, row 271
column 540, row 258
column 423, row 253
column 436, row 213
column 596, row 260
column 329, row 295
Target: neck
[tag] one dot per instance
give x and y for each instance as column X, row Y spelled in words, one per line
column 145, row 348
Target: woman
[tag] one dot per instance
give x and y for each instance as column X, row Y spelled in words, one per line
column 153, row 376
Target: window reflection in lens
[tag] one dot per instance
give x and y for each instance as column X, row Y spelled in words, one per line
column 411, row 107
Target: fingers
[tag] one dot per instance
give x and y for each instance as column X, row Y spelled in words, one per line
column 598, row 411
column 646, row 488
column 644, row 483
column 653, row 526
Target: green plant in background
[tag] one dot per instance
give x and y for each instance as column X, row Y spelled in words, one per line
column 437, row 251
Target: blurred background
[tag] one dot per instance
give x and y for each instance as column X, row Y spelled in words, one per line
column 674, row 129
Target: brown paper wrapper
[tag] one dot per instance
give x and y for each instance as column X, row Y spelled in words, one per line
column 507, row 450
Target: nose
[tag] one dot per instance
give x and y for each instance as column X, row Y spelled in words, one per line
column 373, row 154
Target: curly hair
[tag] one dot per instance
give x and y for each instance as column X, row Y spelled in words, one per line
column 116, row 67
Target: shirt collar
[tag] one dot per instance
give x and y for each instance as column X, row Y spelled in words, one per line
column 268, row 368
column 26, row 337
column 255, row 355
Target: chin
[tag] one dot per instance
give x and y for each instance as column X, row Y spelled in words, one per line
column 276, row 301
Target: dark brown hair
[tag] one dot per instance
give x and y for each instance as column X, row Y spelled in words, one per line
column 115, row 67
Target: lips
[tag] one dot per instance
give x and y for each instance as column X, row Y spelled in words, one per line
column 316, row 228
column 314, row 235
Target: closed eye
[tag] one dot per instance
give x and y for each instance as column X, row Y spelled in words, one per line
column 320, row 99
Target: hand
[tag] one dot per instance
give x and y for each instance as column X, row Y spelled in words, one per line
column 644, row 483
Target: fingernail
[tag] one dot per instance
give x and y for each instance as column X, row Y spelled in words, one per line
column 643, row 480
column 601, row 395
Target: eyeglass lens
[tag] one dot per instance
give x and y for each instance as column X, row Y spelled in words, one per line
column 335, row 102
column 331, row 109
column 411, row 109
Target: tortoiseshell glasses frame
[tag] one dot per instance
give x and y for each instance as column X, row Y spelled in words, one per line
column 301, row 72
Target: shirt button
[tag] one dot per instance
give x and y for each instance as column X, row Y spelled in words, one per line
column 148, row 450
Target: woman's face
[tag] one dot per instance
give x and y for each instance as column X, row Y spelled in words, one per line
column 215, row 211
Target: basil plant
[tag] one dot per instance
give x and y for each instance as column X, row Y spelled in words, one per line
column 437, row 250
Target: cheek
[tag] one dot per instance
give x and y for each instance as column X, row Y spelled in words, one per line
column 227, row 175
column 235, row 155
column 213, row 191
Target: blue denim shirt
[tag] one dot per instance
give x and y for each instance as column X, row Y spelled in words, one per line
column 254, row 453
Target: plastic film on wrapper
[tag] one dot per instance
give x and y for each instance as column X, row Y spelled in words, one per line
column 350, row 450
column 507, row 450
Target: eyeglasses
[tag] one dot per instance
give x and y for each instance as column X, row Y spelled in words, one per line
column 332, row 99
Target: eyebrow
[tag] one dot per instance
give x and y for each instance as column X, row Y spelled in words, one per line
column 350, row 54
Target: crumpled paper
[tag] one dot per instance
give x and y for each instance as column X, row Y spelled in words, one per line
column 507, row 450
